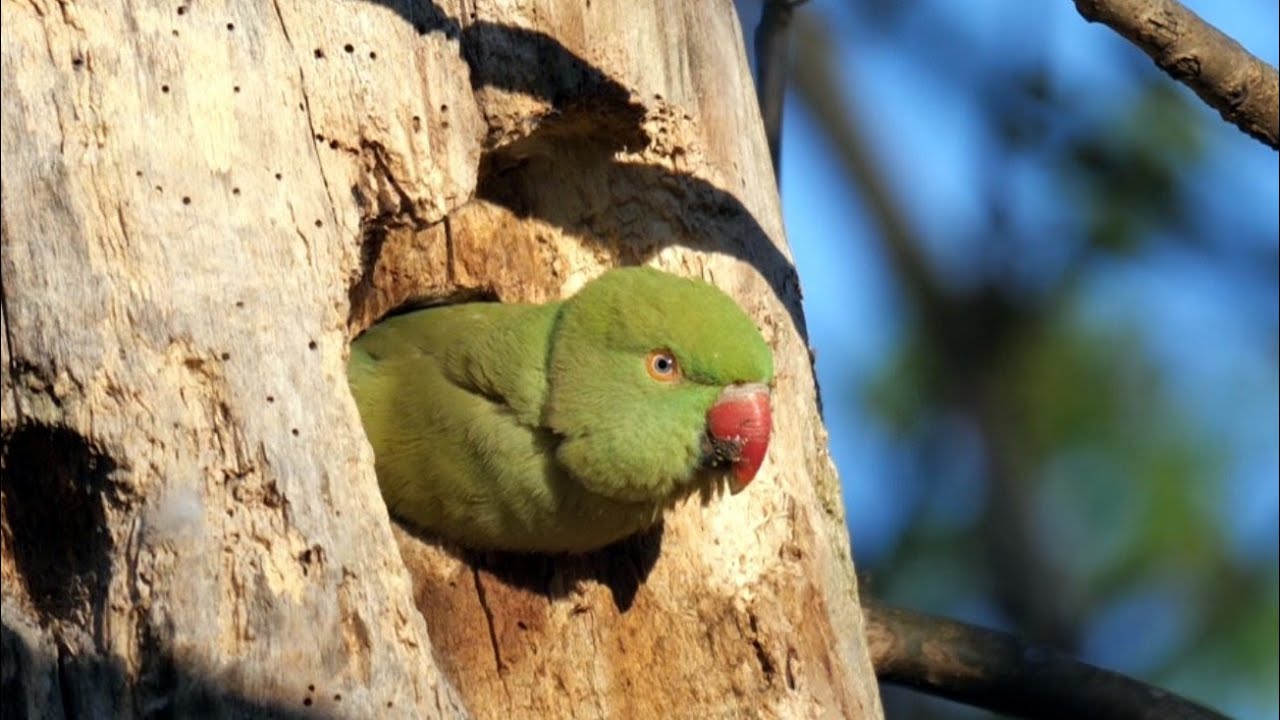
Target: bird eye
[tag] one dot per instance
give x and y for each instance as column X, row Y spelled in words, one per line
column 662, row 366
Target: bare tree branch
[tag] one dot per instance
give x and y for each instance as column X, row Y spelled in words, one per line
column 999, row 672
column 1242, row 88
column 773, row 49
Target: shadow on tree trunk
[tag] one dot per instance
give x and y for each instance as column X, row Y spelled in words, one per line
column 566, row 168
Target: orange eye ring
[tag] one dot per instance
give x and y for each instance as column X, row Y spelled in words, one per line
column 662, row 366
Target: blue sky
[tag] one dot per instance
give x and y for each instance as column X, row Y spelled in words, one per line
column 850, row 305
column 1214, row 337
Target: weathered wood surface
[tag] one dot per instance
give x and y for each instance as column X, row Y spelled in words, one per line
column 204, row 202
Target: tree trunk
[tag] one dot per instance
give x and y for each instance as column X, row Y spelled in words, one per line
column 203, row 203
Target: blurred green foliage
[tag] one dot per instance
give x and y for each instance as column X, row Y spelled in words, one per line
column 1058, row 484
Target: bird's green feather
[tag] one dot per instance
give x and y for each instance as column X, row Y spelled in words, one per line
column 538, row 427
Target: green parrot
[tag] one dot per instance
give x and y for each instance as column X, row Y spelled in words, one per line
column 565, row 426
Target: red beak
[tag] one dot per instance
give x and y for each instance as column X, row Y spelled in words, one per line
column 741, row 419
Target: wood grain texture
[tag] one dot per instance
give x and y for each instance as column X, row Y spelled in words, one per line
column 178, row 239
column 204, row 203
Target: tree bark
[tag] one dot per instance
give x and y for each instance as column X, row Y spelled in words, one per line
column 202, row 205
column 1243, row 89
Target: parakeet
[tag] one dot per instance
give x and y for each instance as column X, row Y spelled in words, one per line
column 565, row 426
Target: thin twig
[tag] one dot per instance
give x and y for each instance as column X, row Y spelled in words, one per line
column 1244, row 89
column 999, row 672
column 819, row 83
column 773, row 50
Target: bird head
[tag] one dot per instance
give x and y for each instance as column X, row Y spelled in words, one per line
column 658, row 386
